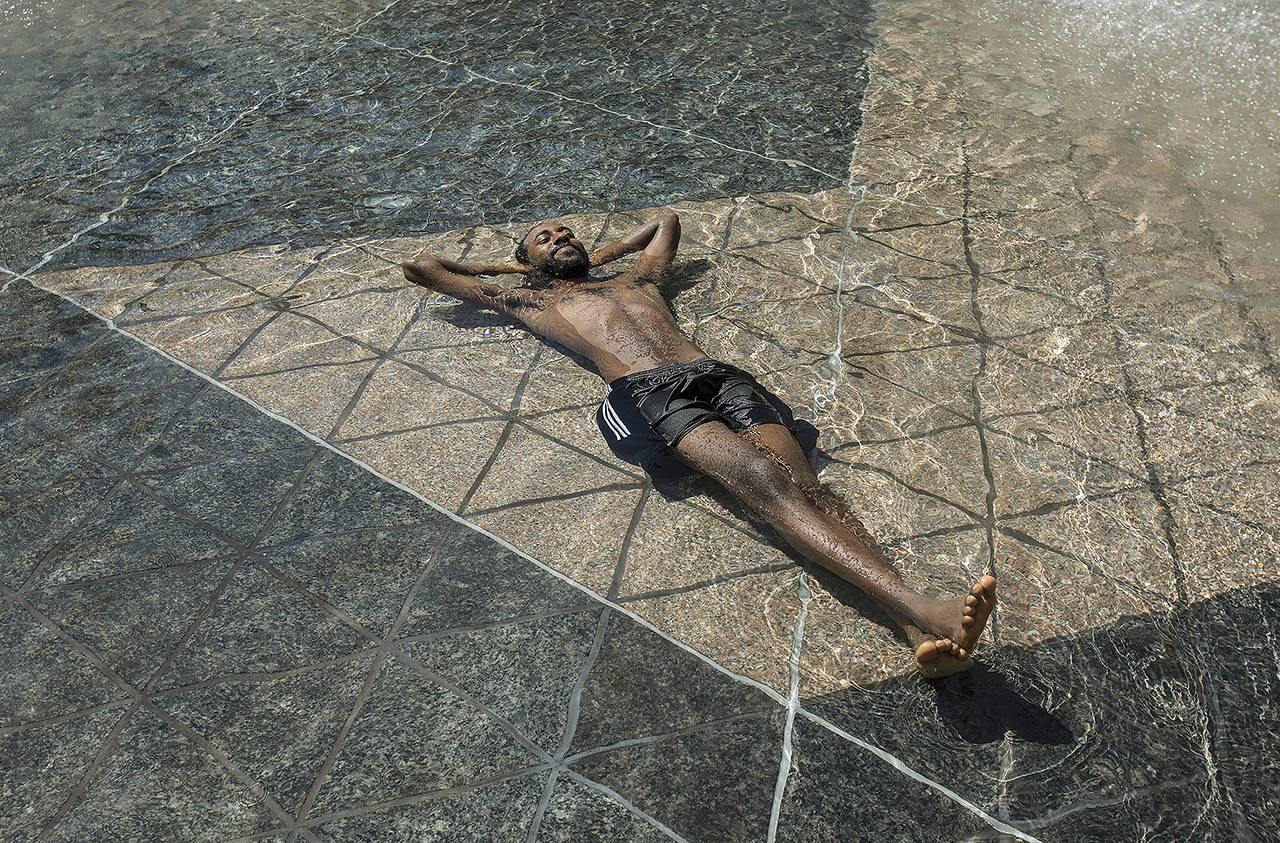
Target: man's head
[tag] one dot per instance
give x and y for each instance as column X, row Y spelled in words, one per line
column 551, row 248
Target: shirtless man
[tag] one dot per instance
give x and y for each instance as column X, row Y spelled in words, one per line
column 665, row 393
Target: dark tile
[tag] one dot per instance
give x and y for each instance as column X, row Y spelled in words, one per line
column 499, row 811
column 336, row 495
column 218, row 425
column 277, row 729
column 578, row 812
column 131, row 532
column 158, row 785
column 41, row 765
column 474, row 580
column 368, row 575
column 44, row 676
column 838, row 791
column 713, row 784
column 642, row 684
column 133, row 623
column 116, row 397
column 39, row 334
column 35, row 519
column 386, row 755
column 236, row 494
column 524, row 672
column 34, row 457
column 260, row 625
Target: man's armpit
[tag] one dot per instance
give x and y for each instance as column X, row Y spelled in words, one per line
column 511, row 301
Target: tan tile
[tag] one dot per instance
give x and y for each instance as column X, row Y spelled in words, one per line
column 490, row 372
column 204, row 341
column 441, row 463
column 677, row 545
column 745, row 625
column 373, row 309
column 106, row 290
column 1036, row 472
column 313, row 396
column 1104, row 429
column 398, row 398
column 289, row 342
column 1044, row 595
column 1219, row 553
column 269, row 270
column 564, row 509
column 191, row 289
column 1184, row 440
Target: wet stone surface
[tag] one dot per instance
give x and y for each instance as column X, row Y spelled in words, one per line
column 1034, row 343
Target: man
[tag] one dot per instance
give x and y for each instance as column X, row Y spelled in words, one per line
column 665, row 395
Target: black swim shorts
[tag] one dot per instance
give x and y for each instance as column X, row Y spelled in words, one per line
column 646, row 414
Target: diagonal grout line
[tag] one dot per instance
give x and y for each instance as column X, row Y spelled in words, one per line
column 620, row 571
column 571, row 722
column 625, row 803
column 565, row 496
column 730, row 576
column 462, row 522
column 793, row 703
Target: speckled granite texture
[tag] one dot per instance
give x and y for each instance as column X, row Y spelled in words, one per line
column 1034, row 343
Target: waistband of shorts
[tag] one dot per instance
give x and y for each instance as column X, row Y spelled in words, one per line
column 664, row 371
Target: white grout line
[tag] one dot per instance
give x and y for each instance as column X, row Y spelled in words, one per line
column 621, row 800
column 793, row 703
column 892, row 760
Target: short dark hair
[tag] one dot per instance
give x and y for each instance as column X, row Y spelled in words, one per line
column 522, row 251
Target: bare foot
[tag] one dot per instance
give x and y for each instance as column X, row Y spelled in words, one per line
column 974, row 610
column 936, row 657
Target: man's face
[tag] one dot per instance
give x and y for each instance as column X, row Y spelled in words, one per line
column 554, row 250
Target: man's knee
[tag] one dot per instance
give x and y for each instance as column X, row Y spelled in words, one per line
column 759, row 477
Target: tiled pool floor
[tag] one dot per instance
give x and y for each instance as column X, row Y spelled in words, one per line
column 1032, row 345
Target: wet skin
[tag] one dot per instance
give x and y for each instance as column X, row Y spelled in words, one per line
column 624, row 325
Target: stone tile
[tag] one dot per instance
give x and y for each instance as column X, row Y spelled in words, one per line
column 116, row 397
column 42, row 765
column 1220, row 554
column 440, row 463
column 259, row 625
column 335, row 496
column 641, row 685
column 312, row 396
column 579, row 812
column 216, row 426
column 475, row 581
column 534, row 481
column 384, row 757
column 849, row 641
column 41, row 334
column 131, row 531
column 576, row 427
column 819, row 806
column 1044, row 595
column 1104, row 429
column 196, row 288
column 237, row 495
column 490, row 374
column 277, row 729
column 1032, row 474
column 134, row 623
column 172, row 786
column 1183, row 440
column 397, row 397
column 714, row 784
column 38, row 516
column 1044, row 371
column 106, row 291
column 44, row 675
column 203, row 341
column 358, row 296
column 502, row 809
column 906, row 384
column 676, row 545
column 524, row 672
column 366, row 574
column 745, row 624
column 914, row 485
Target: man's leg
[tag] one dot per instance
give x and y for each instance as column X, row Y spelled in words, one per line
column 766, row 488
column 779, row 444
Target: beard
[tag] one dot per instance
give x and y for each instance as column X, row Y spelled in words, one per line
column 570, row 267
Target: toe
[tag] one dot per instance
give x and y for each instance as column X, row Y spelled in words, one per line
column 927, row 651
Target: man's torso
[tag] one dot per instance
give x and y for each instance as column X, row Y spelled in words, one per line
column 623, row 325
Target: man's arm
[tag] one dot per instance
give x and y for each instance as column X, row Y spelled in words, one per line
column 658, row 238
column 458, row 280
